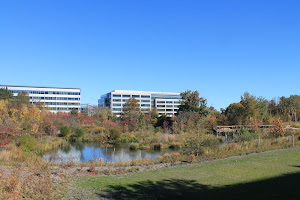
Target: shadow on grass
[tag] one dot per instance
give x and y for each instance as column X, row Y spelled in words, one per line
column 295, row 166
column 283, row 187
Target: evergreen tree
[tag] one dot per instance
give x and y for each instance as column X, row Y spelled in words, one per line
column 5, row 94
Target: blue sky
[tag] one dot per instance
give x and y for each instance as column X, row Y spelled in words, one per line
column 220, row 48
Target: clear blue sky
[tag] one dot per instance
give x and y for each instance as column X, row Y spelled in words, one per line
column 220, row 48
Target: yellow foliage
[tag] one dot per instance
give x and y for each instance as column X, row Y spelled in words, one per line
column 159, row 158
column 34, row 128
column 175, row 154
column 99, row 129
column 166, row 156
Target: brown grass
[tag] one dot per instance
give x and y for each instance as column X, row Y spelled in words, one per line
column 28, row 176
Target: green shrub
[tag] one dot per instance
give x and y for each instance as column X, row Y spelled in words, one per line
column 244, row 135
column 79, row 132
column 126, row 139
column 211, row 142
column 74, row 112
column 114, row 133
column 221, row 139
column 157, row 129
column 28, row 143
column 142, row 146
column 64, row 131
column 133, row 146
column 133, row 139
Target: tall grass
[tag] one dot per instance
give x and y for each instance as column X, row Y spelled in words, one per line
column 29, row 175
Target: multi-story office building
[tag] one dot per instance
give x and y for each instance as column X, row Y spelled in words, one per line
column 56, row 99
column 165, row 102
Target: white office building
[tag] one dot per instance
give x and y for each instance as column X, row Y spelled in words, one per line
column 165, row 102
column 56, row 99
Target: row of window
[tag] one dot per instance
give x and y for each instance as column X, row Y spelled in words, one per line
column 166, row 110
column 61, row 109
column 168, row 102
column 128, row 96
column 125, row 100
column 144, row 109
column 62, row 103
column 168, row 106
column 165, row 96
column 55, row 98
column 46, row 92
column 142, row 105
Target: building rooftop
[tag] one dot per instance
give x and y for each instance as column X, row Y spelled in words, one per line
column 36, row 87
column 143, row 92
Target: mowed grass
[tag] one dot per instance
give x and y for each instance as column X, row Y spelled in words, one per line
column 271, row 175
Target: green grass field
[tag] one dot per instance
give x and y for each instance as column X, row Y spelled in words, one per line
column 268, row 175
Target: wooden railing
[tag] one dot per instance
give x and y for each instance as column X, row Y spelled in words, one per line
column 237, row 128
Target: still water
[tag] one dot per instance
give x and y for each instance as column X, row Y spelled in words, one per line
column 84, row 152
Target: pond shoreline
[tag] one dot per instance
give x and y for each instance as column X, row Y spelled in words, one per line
column 114, row 170
column 85, row 152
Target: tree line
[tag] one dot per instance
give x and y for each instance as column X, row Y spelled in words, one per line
column 17, row 115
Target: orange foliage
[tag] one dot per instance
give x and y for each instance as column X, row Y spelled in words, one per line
column 278, row 127
column 166, row 156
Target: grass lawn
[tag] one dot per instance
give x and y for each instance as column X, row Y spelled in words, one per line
column 268, row 175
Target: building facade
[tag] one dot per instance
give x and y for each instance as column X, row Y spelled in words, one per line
column 56, row 99
column 165, row 102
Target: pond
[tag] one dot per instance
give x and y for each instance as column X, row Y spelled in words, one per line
column 84, row 152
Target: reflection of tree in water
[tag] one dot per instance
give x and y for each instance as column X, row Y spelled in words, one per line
column 82, row 156
column 66, row 148
column 79, row 146
column 84, row 152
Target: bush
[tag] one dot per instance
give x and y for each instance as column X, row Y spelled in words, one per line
column 166, row 156
column 133, row 146
column 159, row 158
column 74, row 112
column 192, row 158
column 64, row 131
column 142, row 146
column 114, row 133
column 174, row 145
column 157, row 130
column 245, row 135
column 79, row 132
column 28, row 142
column 157, row 146
column 133, row 138
column 211, row 142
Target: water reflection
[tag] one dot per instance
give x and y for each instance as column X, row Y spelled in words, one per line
column 81, row 152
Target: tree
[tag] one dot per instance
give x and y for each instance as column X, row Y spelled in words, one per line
column 262, row 105
column 79, row 132
column 284, row 108
column 64, row 131
column 153, row 113
column 273, row 107
column 105, row 114
column 74, row 112
column 250, row 104
column 191, row 102
column 295, row 106
column 235, row 113
column 22, row 99
column 131, row 113
column 5, row 94
column 278, row 127
column 142, row 122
